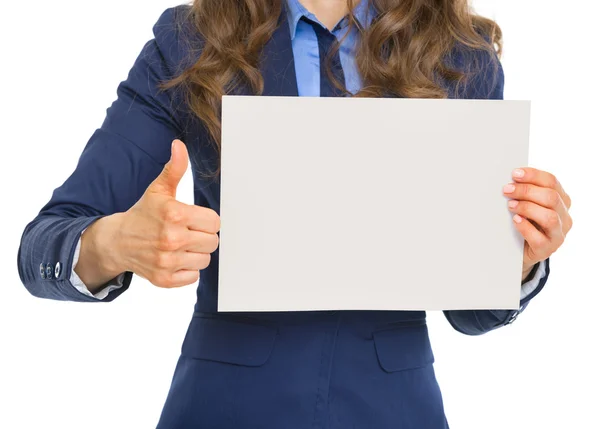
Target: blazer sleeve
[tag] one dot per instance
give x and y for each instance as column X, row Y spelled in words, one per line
column 117, row 164
column 487, row 82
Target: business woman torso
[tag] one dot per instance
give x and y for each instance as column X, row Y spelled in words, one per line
column 338, row 370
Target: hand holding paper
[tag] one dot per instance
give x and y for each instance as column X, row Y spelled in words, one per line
column 538, row 198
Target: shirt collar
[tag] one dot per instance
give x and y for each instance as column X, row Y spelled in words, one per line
column 295, row 11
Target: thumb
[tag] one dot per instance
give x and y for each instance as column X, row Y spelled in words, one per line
column 173, row 171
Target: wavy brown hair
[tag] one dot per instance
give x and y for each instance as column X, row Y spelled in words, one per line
column 403, row 52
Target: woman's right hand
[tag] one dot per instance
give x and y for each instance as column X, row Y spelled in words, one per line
column 159, row 238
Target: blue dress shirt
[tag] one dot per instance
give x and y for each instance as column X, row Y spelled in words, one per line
column 306, row 49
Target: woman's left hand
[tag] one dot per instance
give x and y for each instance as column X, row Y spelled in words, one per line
column 541, row 208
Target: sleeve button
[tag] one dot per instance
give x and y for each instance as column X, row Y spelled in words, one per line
column 49, row 271
column 57, row 270
column 42, row 270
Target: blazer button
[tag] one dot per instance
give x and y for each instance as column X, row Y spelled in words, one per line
column 49, row 271
column 42, row 270
column 513, row 317
column 57, row 270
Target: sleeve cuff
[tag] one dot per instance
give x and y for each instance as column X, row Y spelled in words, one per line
column 115, row 283
column 530, row 286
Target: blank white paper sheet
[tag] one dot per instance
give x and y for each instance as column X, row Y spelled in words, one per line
column 369, row 204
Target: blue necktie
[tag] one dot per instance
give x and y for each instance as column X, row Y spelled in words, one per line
column 326, row 40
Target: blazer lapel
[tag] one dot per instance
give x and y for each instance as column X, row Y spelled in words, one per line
column 277, row 64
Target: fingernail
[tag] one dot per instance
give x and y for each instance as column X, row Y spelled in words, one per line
column 518, row 173
column 513, row 203
column 517, row 218
column 508, row 189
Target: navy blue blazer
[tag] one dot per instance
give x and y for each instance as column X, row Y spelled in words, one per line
column 349, row 369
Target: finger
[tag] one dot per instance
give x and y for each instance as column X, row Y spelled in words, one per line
column 179, row 238
column 547, row 219
column 169, row 262
column 545, row 197
column 537, row 241
column 542, row 179
column 183, row 278
column 167, row 181
column 202, row 219
column 178, row 278
column 192, row 261
column 201, row 242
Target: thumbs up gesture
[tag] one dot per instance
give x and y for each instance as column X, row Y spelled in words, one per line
column 164, row 240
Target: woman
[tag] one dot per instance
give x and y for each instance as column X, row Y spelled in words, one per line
column 117, row 214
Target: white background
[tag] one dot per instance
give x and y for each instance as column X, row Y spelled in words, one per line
column 72, row 365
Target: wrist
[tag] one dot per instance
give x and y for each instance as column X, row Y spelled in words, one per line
column 526, row 271
column 107, row 244
column 100, row 257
